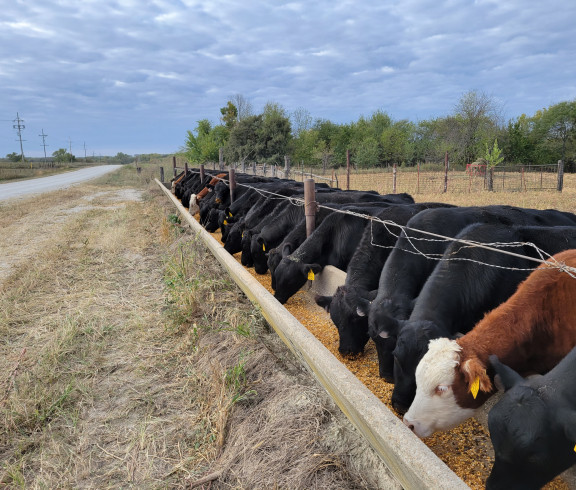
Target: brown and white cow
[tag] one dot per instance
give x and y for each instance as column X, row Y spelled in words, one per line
column 194, row 198
column 531, row 333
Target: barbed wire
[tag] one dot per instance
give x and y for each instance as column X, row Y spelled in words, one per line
column 550, row 261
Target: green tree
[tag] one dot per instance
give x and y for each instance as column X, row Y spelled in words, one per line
column 14, row 157
column 204, row 146
column 555, row 127
column 517, row 145
column 62, row 156
column 244, row 142
column 229, row 115
column 493, row 156
column 477, row 119
column 274, row 134
column 123, row 158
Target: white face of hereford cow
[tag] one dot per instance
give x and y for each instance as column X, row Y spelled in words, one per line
column 434, row 407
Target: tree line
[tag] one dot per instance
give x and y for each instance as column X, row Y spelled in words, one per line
column 474, row 130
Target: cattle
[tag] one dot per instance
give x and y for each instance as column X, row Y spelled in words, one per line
column 363, row 273
column 331, row 243
column 533, row 426
column 531, row 333
column 466, row 284
column 193, row 206
column 413, row 260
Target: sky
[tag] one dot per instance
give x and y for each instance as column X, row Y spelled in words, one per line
column 106, row 76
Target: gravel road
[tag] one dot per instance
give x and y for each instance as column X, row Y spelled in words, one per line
column 54, row 182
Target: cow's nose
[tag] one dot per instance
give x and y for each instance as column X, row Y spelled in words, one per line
column 408, row 424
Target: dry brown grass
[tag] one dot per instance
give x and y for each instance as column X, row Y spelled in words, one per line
column 129, row 359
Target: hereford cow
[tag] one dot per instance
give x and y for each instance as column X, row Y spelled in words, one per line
column 533, row 426
column 531, row 333
column 466, row 285
column 193, row 207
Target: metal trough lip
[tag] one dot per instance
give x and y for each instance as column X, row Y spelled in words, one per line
column 411, row 462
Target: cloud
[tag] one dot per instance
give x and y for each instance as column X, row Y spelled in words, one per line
column 117, row 70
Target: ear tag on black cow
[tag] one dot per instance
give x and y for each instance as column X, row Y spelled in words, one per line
column 264, row 247
column 575, row 449
column 225, row 222
column 229, row 214
column 242, row 234
column 310, row 275
column 475, row 387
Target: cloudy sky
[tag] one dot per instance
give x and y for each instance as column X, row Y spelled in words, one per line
column 133, row 76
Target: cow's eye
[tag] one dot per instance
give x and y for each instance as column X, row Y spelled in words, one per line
column 441, row 389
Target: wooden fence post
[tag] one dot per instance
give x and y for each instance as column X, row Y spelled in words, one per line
column 347, row 170
column 232, row 179
column 202, row 173
column 560, row 176
column 221, row 158
column 310, row 205
column 394, row 172
column 418, row 181
column 186, row 167
column 174, row 165
column 446, row 172
column 286, row 167
column 162, row 174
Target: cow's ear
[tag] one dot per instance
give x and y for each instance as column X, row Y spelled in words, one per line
column 567, row 418
column 363, row 307
column 507, row 375
column 260, row 240
column 392, row 327
column 310, row 270
column 475, row 375
column 287, row 249
column 324, row 301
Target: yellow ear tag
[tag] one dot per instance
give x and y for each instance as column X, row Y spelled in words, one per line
column 229, row 214
column 475, row 387
column 310, row 275
column 264, row 247
column 242, row 234
column 575, row 449
column 225, row 222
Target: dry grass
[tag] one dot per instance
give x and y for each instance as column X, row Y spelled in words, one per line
column 129, row 359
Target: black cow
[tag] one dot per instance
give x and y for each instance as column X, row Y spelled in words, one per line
column 533, row 426
column 462, row 289
column 415, row 256
column 363, row 274
column 331, row 243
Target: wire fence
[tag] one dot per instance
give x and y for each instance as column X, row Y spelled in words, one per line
column 419, row 179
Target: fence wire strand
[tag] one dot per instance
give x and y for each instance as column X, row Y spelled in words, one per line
column 549, row 261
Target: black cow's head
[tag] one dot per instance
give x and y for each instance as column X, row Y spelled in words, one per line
column 352, row 326
column 533, row 432
column 290, row 276
column 411, row 345
column 246, row 258
column 234, row 238
column 383, row 330
column 275, row 256
column 259, row 254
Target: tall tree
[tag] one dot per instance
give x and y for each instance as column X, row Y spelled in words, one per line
column 557, row 126
column 229, row 115
column 478, row 117
column 243, row 106
column 204, row 146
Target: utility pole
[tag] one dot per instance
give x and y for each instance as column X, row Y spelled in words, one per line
column 85, row 159
column 44, row 145
column 19, row 127
column 70, row 144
